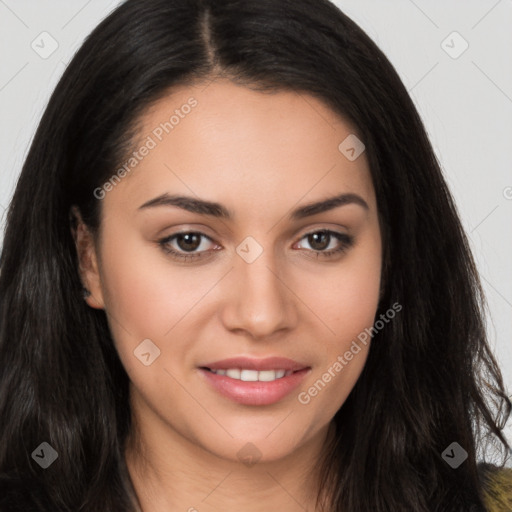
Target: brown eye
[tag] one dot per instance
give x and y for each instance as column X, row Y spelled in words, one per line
column 188, row 241
column 324, row 239
column 185, row 245
column 319, row 241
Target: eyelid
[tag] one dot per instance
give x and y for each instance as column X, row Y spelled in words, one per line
column 315, row 229
column 344, row 239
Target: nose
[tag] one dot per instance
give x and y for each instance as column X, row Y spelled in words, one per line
column 259, row 301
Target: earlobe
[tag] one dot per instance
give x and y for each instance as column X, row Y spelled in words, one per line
column 88, row 267
column 91, row 300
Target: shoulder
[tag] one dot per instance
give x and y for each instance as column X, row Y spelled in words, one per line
column 496, row 487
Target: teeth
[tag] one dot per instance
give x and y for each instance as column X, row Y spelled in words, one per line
column 253, row 375
column 249, row 375
column 267, row 375
column 233, row 373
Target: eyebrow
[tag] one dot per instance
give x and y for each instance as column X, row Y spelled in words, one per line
column 213, row 209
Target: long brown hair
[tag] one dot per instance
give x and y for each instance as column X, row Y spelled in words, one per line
column 430, row 378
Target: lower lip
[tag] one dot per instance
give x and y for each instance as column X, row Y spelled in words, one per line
column 255, row 393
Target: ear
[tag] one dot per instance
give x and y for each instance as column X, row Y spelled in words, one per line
column 87, row 260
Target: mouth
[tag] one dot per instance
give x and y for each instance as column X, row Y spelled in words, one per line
column 255, row 381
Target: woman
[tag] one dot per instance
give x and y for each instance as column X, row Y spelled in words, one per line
column 233, row 278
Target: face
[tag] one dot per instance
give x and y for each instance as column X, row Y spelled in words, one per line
column 210, row 250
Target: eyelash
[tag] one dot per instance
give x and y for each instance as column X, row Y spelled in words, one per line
column 347, row 242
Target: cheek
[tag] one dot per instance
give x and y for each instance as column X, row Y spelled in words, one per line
column 346, row 303
column 149, row 298
column 346, row 298
column 143, row 291
column 145, row 298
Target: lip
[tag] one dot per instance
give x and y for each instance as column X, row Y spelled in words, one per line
column 255, row 393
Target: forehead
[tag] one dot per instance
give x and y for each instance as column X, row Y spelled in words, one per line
column 222, row 141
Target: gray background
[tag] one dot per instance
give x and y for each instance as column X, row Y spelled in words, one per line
column 465, row 101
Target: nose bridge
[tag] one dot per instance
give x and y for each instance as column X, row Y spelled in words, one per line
column 260, row 303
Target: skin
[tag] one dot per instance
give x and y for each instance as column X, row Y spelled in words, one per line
column 260, row 156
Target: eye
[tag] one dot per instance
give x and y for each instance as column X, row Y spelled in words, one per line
column 185, row 243
column 324, row 239
column 191, row 245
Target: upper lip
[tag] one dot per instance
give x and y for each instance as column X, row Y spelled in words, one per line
column 248, row 363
